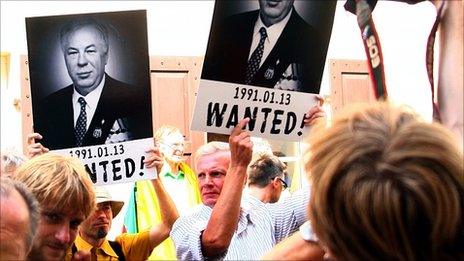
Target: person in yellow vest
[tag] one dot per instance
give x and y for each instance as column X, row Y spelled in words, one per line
column 137, row 246
column 180, row 182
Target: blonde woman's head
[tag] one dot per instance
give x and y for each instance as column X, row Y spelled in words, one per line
column 386, row 185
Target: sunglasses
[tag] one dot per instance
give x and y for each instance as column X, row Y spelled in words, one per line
column 284, row 184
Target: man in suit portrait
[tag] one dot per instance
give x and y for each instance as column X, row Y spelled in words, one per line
column 96, row 108
column 270, row 47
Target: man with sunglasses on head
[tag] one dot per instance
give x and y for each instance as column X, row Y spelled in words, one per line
column 266, row 178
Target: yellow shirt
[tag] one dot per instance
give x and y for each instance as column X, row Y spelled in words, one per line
column 148, row 210
column 135, row 247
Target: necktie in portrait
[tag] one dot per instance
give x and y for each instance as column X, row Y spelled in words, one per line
column 81, row 124
column 255, row 59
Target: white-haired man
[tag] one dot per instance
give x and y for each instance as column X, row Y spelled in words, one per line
column 225, row 226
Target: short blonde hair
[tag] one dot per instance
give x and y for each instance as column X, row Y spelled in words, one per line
column 386, row 186
column 60, row 180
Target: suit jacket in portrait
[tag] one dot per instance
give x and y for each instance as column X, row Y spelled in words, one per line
column 298, row 45
column 118, row 101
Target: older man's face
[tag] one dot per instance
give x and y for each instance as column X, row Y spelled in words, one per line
column 57, row 231
column 86, row 55
column 14, row 227
column 172, row 147
column 273, row 11
column 211, row 172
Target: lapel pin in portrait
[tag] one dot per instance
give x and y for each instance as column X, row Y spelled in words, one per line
column 269, row 73
column 97, row 133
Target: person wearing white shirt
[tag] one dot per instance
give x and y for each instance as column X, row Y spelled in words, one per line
column 227, row 226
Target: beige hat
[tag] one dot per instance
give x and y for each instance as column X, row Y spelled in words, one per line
column 103, row 195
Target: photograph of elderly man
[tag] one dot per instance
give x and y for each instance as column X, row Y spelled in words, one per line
column 273, row 44
column 104, row 103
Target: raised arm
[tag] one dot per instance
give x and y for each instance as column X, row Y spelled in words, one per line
column 216, row 237
column 168, row 210
column 451, row 67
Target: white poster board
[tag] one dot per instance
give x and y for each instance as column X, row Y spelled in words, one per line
column 114, row 163
column 274, row 114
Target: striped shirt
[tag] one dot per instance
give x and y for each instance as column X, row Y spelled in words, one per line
column 260, row 227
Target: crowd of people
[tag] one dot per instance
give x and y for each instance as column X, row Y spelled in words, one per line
column 384, row 184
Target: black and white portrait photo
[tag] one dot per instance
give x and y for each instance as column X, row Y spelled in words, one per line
column 89, row 78
column 269, row 43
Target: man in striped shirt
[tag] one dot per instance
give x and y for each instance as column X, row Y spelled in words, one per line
column 226, row 226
